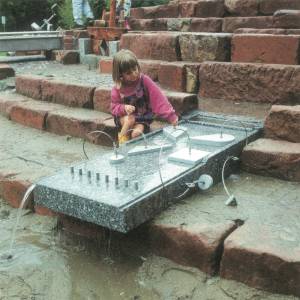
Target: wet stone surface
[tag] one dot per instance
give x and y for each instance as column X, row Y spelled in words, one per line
column 49, row 263
column 80, row 74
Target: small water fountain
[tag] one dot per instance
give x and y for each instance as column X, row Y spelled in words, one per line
column 9, row 255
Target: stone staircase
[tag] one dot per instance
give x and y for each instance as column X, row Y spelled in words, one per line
column 278, row 153
column 232, row 57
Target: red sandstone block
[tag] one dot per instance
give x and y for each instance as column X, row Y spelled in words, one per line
column 7, row 101
column 187, row 9
column 263, row 256
column 280, row 159
column 250, row 82
column 13, row 191
column 44, row 211
column 242, row 7
column 197, row 246
column 150, row 67
column 75, row 95
column 6, row 71
column 209, row 8
column 31, row 113
column 178, row 76
column 30, row 86
column 161, row 11
column 105, row 65
column 206, row 25
column 173, row 76
column 68, row 46
column 78, row 123
column 159, row 24
column 66, row 57
column 162, row 47
column 267, row 31
column 266, row 48
column 82, row 228
column 233, row 23
column 102, row 100
column 283, row 122
column 268, row 7
column 137, row 13
column 287, row 19
column 182, row 102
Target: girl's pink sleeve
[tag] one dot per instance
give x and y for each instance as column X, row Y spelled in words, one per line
column 116, row 105
column 158, row 101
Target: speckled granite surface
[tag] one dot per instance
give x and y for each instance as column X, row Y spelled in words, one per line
column 125, row 195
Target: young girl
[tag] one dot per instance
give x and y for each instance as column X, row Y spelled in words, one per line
column 135, row 98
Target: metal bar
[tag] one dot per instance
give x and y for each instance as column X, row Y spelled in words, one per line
column 60, row 33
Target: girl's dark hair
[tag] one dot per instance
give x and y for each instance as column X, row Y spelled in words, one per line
column 124, row 61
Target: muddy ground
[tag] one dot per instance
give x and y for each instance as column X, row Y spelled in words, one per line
column 49, row 263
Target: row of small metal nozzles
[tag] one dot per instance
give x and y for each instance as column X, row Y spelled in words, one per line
column 89, row 175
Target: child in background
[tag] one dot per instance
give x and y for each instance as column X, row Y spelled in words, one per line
column 123, row 11
column 81, row 10
column 135, row 98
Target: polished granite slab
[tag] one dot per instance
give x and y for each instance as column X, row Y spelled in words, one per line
column 121, row 196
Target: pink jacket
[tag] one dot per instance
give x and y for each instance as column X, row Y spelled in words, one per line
column 159, row 103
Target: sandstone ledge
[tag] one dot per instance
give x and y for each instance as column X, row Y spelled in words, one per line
column 273, row 158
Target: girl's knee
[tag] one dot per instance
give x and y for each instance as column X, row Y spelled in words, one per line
column 129, row 120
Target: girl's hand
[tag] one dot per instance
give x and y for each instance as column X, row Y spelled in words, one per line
column 129, row 109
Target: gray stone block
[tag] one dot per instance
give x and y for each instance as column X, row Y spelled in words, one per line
column 84, row 46
column 123, row 196
column 113, row 47
column 92, row 60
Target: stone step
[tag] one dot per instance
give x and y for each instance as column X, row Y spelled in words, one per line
column 266, row 258
column 267, row 31
column 266, row 48
column 227, row 24
column 252, row 82
column 275, row 158
column 230, row 24
column 260, row 7
column 6, row 71
column 283, row 122
column 214, row 8
column 171, row 46
column 287, row 18
column 178, row 24
column 187, row 9
column 177, row 76
column 56, row 118
column 86, row 96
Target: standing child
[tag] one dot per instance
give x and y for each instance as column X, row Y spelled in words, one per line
column 81, row 10
column 135, row 98
column 123, row 11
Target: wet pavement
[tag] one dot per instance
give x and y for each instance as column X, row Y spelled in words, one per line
column 49, row 263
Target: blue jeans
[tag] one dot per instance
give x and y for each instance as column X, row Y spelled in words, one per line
column 81, row 8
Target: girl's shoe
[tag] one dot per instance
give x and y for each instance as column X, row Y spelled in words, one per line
column 122, row 138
